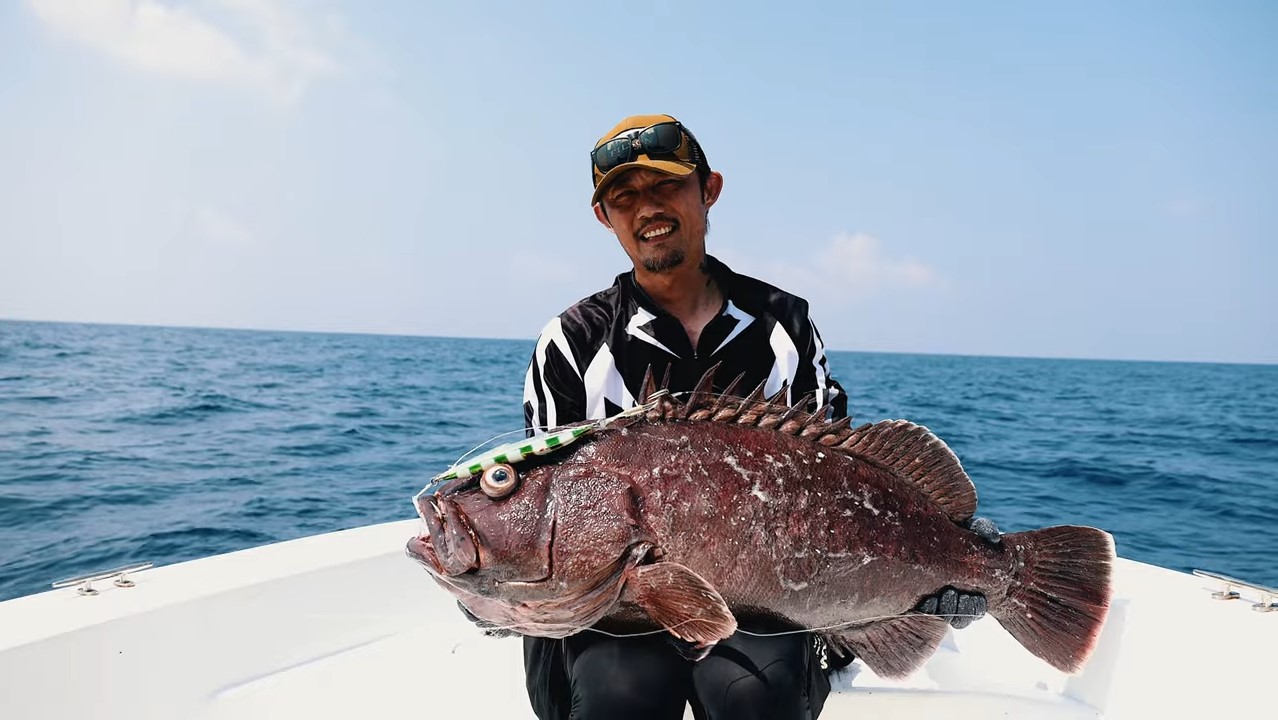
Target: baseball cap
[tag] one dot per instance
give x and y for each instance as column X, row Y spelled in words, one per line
column 648, row 136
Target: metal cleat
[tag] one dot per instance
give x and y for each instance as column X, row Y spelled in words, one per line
column 1267, row 595
column 86, row 581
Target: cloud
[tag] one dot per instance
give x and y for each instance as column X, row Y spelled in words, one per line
column 259, row 45
column 219, row 229
column 861, row 261
column 1183, row 207
column 851, row 267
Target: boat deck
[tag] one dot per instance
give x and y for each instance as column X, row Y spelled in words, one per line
column 344, row 625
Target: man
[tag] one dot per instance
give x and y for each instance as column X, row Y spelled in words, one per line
column 678, row 311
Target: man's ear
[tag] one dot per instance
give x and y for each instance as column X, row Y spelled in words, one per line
column 714, row 186
column 602, row 216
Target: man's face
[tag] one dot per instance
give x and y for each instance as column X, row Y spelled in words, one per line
column 659, row 219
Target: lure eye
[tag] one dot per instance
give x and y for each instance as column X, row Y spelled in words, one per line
column 499, row 481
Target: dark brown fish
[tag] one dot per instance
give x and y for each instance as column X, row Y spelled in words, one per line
column 685, row 515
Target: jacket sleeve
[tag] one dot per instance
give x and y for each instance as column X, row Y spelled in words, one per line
column 554, row 393
column 813, row 372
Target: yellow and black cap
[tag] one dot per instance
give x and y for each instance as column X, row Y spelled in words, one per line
column 657, row 142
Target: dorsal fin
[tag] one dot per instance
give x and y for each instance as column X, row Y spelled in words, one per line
column 647, row 388
column 663, row 408
column 914, row 454
column 808, row 425
column 731, row 390
column 788, row 418
column 752, row 407
column 697, row 405
column 713, row 410
column 909, row 451
column 778, row 397
column 828, row 435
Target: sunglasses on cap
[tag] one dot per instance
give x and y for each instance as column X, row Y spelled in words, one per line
column 664, row 138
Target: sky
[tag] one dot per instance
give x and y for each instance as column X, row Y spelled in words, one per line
column 1082, row 179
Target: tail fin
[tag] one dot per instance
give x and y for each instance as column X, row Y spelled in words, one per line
column 1060, row 595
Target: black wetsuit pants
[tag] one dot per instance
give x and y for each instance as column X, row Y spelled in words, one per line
column 591, row 676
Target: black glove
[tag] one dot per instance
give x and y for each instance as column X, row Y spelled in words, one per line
column 986, row 528
column 489, row 629
column 960, row 608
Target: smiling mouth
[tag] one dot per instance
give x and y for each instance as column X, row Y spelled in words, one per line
column 658, row 232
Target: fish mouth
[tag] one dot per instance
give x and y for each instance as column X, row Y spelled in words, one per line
column 449, row 548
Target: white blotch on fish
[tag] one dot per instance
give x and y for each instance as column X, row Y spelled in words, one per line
column 865, row 503
column 746, row 475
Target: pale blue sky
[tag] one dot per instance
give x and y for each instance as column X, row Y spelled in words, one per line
column 1046, row 179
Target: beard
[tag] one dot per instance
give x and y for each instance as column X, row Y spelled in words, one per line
column 668, row 259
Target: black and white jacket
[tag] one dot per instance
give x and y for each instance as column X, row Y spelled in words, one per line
column 590, row 360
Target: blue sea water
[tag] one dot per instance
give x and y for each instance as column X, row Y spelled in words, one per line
column 122, row 444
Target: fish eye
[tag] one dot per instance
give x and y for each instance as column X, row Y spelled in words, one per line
column 499, row 481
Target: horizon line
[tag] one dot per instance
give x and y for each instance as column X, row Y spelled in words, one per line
column 533, row 339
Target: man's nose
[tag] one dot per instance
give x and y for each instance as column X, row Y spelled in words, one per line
column 648, row 205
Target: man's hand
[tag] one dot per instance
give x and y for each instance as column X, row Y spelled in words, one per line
column 484, row 625
column 986, row 528
column 959, row 608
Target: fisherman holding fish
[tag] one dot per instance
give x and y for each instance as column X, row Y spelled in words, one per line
column 659, row 546
column 678, row 312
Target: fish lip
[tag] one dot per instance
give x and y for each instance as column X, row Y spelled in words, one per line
column 444, row 520
column 451, row 549
column 421, row 550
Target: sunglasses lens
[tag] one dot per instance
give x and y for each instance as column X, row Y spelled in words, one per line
column 662, row 138
column 612, row 153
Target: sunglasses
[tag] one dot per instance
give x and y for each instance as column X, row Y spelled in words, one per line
column 660, row 139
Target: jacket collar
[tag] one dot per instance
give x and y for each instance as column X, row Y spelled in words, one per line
column 634, row 292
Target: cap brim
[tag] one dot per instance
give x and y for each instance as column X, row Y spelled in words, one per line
column 669, row 167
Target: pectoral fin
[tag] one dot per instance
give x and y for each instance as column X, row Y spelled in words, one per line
column 680, row 601
column 892, row 648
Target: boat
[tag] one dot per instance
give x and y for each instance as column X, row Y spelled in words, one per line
column 344, row 625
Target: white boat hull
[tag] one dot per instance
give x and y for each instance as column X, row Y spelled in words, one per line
column 344, row 625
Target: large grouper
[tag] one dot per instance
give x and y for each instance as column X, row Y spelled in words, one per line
column 688, row 512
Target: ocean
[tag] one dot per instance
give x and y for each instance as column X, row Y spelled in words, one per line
column 123, row 444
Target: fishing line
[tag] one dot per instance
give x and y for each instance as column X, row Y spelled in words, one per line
column 682, row 395
column 796, row 631
column 471, row 451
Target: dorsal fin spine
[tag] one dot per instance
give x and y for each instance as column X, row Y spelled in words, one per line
column 647, row 387
column 908, row 451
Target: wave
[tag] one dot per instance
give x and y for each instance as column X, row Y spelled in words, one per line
column 42, row 398
column 315, row 450
column 199, row 541
column 194, row 409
